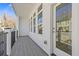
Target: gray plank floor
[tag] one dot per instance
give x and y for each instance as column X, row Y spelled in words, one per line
column 24, row 46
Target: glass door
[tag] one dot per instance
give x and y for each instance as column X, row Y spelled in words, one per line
column 62, row 19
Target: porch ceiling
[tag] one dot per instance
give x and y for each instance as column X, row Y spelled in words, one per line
column 23, row 9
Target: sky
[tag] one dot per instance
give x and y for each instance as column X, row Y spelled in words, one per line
column 6, row 8
column 66, row 9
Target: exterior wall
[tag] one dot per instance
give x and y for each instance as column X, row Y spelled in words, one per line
column 75, row 29
column 48, row 27
column 40, row 39
column 23, row 27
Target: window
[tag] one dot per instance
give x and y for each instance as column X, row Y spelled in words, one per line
column 34, row 14
column 63, row 31
column 36, row 21
column 31, row 24
column 34, row 25
column 40, row 19
column 40, row 23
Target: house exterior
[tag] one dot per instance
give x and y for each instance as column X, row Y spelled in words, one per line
column 52, row 26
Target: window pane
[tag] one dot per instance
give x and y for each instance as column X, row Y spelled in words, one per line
column 40, row 29
column 34, row 14
column 40, row 18
column 31, row 24
column 34, row 24
column 40, row 23
column 63, row 27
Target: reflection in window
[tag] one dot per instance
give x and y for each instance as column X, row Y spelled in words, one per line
column 63, row 27
column 40, row 19
column 31, row 24
column 40, row 23
column 34, row 24
column 34, row 14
